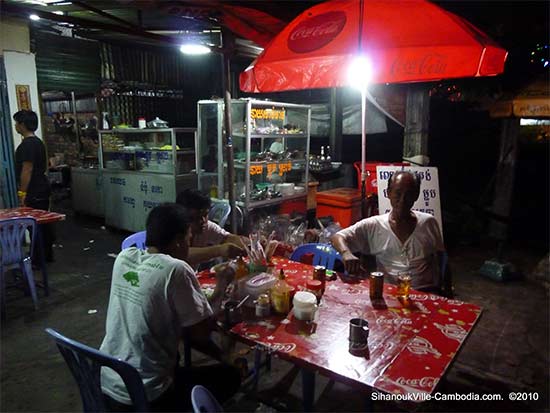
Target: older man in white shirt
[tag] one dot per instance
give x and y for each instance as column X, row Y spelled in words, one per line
column 402, row 240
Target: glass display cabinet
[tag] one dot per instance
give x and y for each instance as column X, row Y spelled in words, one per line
column 142, row 168
column 271, row 145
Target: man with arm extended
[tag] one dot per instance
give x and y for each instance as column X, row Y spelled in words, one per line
column 402, row 240
column 154, row 297
column 209, row 240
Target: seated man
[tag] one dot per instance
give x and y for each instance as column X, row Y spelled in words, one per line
column 154, row 297
column 209, row 240
column 402, row 240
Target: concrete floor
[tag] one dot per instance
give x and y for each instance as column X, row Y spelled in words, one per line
column 507, row 351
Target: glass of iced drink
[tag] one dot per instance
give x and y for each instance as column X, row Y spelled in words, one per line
column 403, row 285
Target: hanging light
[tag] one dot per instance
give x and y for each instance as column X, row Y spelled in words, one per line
column 194, row 49
column 360, row 72
column 34, row 17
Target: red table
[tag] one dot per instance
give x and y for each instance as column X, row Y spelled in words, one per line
column 41, row 217
column 410, row 347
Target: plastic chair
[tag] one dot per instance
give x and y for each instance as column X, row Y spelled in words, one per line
column 219, row 212
column 85, row 364
column 14, row 256
column 137, row 239
column 323, row 254
column 203, row 401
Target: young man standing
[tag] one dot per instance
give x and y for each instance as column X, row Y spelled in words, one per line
column 30, row 172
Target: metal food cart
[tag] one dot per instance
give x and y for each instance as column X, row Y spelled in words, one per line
column 142, row 168
column 271, row 144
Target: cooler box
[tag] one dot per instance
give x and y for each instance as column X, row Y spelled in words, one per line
column 371, row 183
column 343, row 204
column 293, row 206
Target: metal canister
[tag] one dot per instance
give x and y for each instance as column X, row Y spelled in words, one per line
column 263, row 306
column 319, row 273
column 376, row 284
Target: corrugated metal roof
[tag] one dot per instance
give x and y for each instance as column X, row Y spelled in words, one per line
column 66, row 64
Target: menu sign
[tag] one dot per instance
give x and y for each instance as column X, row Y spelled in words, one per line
column 429, row 199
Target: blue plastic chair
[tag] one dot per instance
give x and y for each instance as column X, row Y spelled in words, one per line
column 85, row 364
column 219, row 212
column 323, row 254
column 203, row 401
column 137, row 239
column 13, row 255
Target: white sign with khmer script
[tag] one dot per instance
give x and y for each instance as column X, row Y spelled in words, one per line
column 429, row 199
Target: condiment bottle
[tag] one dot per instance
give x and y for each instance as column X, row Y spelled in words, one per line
column 280, row 295
column 315, row 287
column 242, row 269
column 263, row 306
column 319, row 273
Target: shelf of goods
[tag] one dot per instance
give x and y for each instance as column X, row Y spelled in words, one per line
column 271, row 145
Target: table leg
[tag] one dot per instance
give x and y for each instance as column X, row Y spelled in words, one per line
column 43, row 260
column 308, row 389
column 257, row 366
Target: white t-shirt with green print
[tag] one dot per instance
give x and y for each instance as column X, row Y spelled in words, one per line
column 152, row 297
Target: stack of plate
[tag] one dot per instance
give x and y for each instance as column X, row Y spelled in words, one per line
column 285, row 189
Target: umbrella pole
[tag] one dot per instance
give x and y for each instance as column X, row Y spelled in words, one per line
column 228, row 140
column 363, row 154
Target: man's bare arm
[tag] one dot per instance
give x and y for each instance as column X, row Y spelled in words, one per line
column 351, row 262
column 25, row 179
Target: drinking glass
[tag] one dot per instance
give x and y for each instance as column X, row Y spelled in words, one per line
column 403, row 285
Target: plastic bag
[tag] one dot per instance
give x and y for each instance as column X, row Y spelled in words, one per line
column 328, row 232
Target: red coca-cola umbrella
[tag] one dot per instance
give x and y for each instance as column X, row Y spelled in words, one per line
column 404, row 41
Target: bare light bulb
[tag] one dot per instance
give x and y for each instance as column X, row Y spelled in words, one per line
column 194, row 49
column 360, row 73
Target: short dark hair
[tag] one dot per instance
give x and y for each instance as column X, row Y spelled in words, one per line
column 193, row 199
column 27, row 118
column 164, row 222
column 415, row 177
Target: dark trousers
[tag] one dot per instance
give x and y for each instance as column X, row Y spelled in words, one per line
column 47, row 231
column 221, row 379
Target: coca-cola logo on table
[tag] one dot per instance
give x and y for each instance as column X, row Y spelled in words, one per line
column 316, row 32
column 428, row 64
column 282, row 347
column 425, row 382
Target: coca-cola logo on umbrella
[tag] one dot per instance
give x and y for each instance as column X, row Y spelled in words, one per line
column 316, row 32
column 428, row 64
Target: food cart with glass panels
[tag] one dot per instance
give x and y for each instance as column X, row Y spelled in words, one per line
column 271, row 148
column 142, row 168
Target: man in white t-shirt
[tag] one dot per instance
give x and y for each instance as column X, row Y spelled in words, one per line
column 209, row 240
column 154, row 296
column 402, row 240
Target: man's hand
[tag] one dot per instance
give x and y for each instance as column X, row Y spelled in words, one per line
column 352, row 263
column 225, row 275
column 230, row 250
